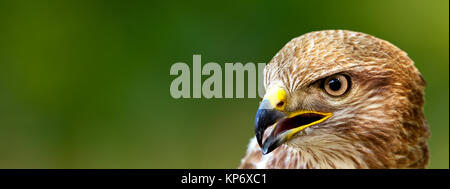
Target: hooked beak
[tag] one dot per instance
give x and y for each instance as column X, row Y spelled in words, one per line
column 271, row 111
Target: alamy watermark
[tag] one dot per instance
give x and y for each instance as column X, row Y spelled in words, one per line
column 213, row 86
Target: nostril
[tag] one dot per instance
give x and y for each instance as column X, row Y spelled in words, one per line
column 280, row 104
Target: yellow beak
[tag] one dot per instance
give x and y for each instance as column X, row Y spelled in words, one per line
column 271, row 111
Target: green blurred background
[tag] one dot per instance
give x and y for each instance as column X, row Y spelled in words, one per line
column 85, row 84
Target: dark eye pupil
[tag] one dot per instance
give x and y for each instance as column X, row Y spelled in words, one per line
column 334, row 84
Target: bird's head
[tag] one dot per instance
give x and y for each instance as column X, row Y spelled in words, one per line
column 339, row 84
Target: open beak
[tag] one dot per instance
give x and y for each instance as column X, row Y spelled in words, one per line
column 286, row 124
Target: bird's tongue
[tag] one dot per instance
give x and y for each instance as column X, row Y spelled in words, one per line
column 296, row 121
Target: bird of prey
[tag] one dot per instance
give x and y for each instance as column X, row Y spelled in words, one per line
column 340, row 99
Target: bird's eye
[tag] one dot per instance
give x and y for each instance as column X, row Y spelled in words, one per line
column 336, row 85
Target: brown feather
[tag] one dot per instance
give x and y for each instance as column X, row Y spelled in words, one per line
column 379, row 124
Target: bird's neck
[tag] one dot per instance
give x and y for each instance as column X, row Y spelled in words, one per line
column 325, row 151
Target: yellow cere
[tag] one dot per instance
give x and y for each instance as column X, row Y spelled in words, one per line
column 276, row 95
